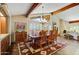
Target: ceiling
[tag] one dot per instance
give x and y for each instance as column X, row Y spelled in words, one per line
column 49, row 7
column 70, row 14
column 18, row 8
column 22, row 9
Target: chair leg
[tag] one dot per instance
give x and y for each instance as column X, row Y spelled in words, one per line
column 40, row 46
column 49, row 43
column 56, row 40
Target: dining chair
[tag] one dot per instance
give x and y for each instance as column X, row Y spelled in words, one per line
column 50, row 38
column 43, row 38
column 55, row 34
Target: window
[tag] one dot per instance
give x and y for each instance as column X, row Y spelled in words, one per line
column 38, row 24
column 74, row 28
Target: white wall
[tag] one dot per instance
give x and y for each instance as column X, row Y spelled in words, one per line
column 57, row 21
column 61, row 24
column 15, row 19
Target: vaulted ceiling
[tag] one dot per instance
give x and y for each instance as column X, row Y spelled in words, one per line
column 22, row 8
column 18, row 8
column 27, row 8
column 70, row 14
column 49, row 7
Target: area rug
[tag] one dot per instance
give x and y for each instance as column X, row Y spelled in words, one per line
column 26, row 49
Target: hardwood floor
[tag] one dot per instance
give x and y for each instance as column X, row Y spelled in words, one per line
column 72, row 47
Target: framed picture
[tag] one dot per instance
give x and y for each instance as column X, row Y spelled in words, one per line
column 20, row 26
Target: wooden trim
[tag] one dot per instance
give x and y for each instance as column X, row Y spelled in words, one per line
column 65, row 8
column 32, row 8
column 76, row 21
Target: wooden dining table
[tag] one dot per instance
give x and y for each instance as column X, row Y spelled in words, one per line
column 36, row 38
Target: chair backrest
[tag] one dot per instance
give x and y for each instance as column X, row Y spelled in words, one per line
column 51, row 37
column 55, row 33
column 42, row 35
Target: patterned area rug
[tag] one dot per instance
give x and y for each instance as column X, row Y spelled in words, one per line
column 26, row 49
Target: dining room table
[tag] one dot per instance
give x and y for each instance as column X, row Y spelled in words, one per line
column 35, row 38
